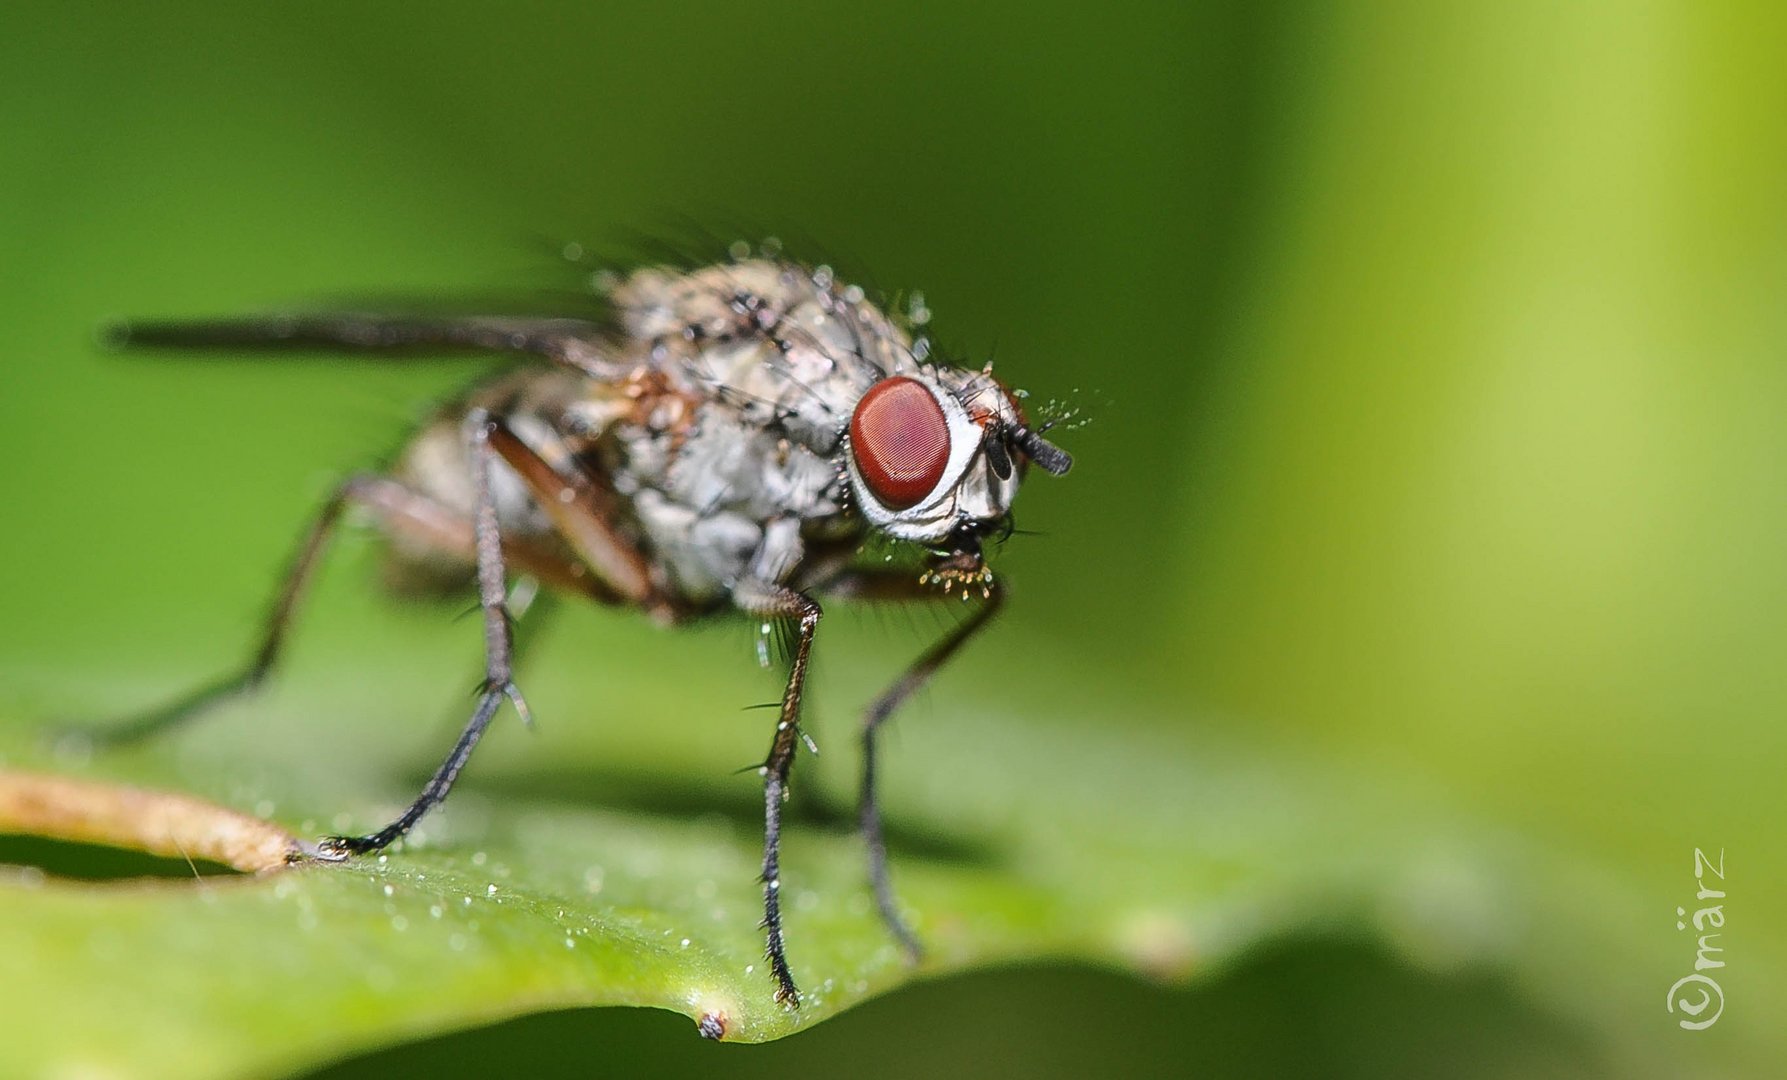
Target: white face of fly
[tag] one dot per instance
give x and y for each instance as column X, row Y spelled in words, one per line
column 935, row 458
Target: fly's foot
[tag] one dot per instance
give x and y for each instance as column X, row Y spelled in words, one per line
column 787, row 995
column 970, row 574
column 343, row 848
column 337, row 848
column 902, row 932
column 909, row 945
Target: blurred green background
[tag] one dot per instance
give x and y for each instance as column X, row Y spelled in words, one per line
column 1434, row 355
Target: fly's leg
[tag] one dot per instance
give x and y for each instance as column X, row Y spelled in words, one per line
column 398, row 510
column 780, row 602
column 891, row 587
column 498, row 681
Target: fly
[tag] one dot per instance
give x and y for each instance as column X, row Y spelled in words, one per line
column 727, row 440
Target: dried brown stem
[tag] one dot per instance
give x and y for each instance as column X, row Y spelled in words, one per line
column 158, row 822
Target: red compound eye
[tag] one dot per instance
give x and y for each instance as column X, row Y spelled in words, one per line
column 900, row 440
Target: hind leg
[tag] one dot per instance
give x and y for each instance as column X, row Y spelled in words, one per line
column 424, row 525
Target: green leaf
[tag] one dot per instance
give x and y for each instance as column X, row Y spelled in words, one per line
column 550, row 879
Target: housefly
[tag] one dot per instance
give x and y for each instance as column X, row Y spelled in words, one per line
column 726, row 438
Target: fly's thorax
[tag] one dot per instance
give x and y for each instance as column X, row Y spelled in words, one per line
column 725, row 462
column 784, row 346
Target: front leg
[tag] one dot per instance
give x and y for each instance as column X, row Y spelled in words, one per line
column 780, row 602
column 900, row 587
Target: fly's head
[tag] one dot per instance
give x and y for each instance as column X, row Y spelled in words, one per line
column 935, row 458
